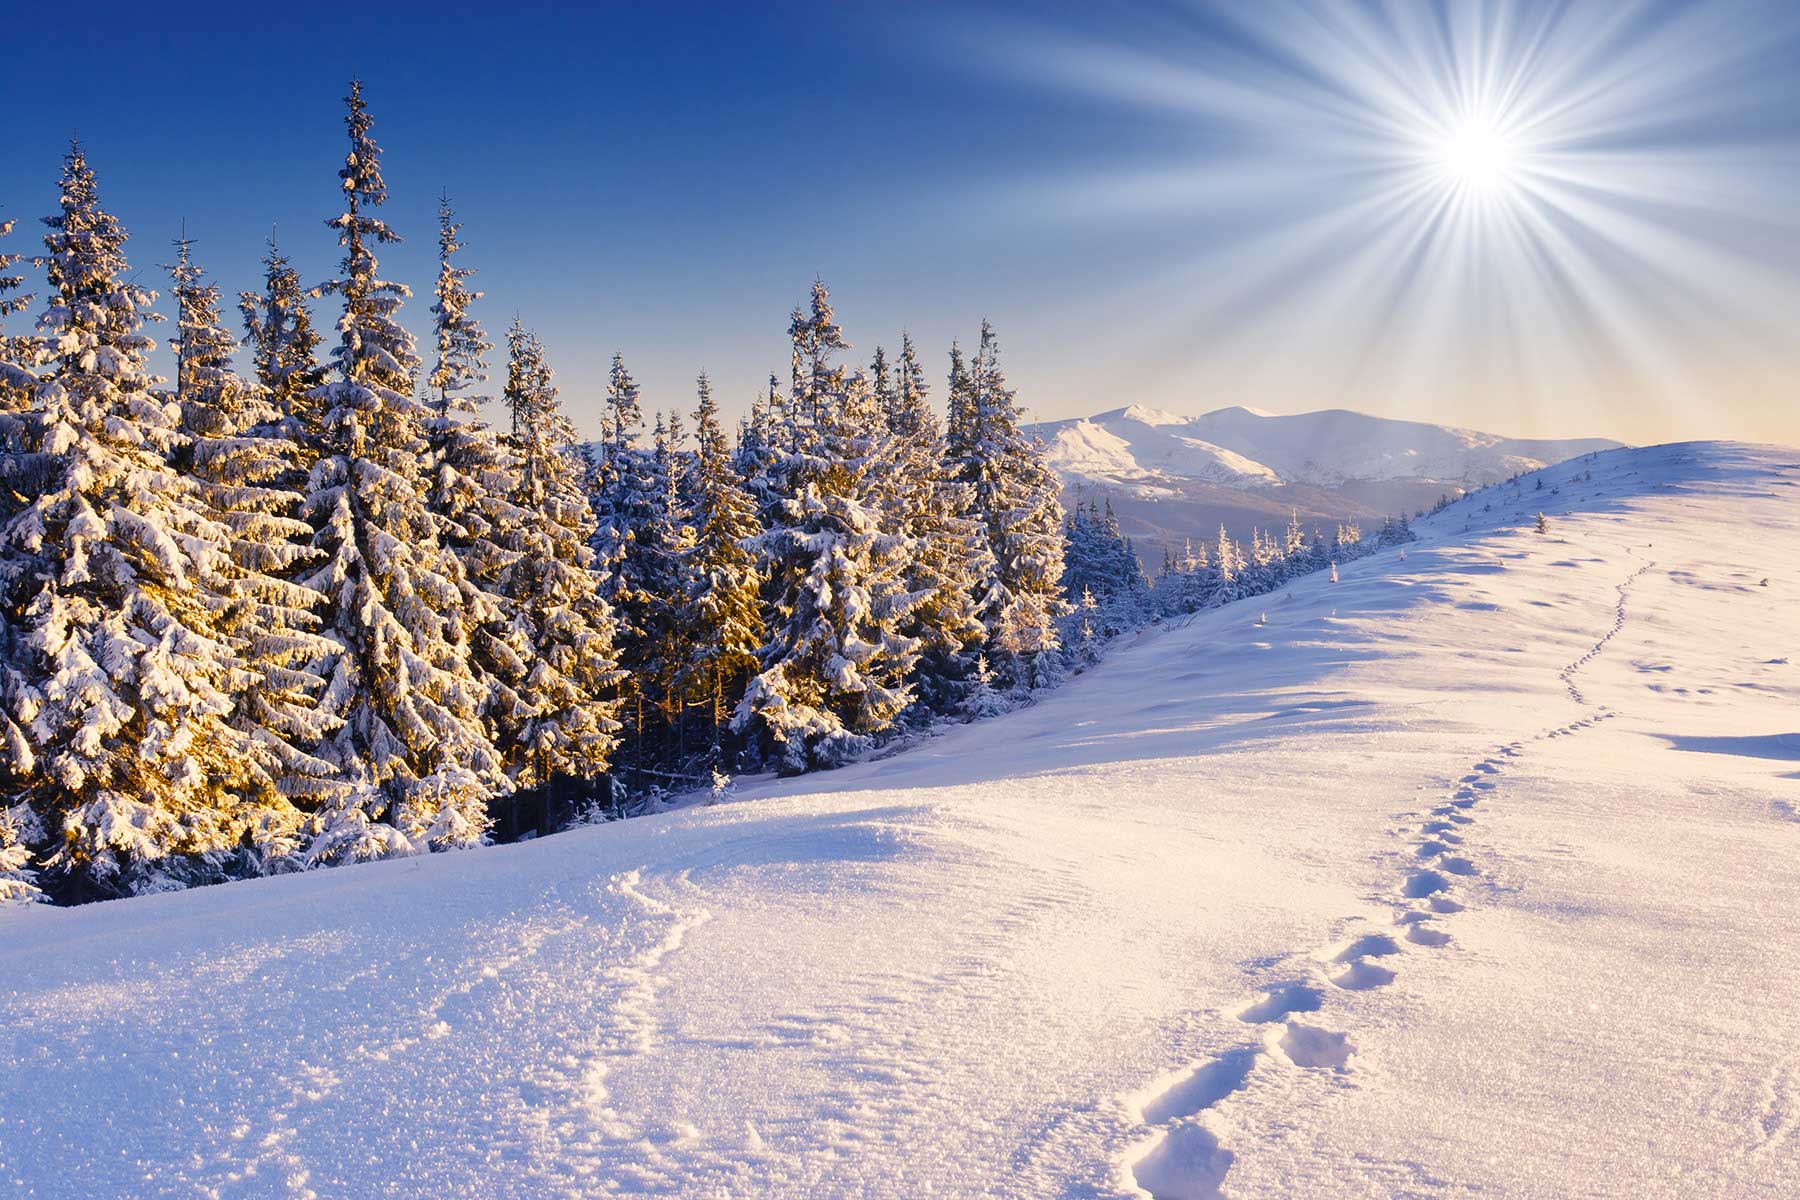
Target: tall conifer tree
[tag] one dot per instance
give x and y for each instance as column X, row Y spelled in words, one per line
column 836, row 668
column 1015, row 496
column 411, row 737
column 562, row 720
column 950, row 559
column 244, row 471
column 721, row 611
column 115, row 567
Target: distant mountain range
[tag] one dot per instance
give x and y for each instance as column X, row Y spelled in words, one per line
column 1144, row 448
column 1171, row 477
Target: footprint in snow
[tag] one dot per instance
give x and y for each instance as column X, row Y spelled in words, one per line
column 1421, row 884
column 1185, row 1163
column 1315, row 1049
column 1200, row 1087
column 1370, row 945
column 1425, row 935
column 1362, row 975
column 1279, row 1002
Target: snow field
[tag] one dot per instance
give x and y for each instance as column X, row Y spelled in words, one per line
column 1470, row 873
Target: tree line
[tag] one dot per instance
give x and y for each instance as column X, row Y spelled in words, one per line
column 321, row 610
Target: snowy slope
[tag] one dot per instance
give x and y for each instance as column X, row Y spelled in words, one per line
column 1474, row 872
column 1146, row 449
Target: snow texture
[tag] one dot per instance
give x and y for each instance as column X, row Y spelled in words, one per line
column 1470, row 873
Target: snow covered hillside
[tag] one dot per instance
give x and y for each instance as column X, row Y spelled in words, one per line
column 1145, row 450
column 1474, row 872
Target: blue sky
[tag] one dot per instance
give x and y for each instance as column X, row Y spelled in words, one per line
column 1143, row 198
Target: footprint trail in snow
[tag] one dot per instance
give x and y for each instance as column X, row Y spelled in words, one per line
column 1183, row 1155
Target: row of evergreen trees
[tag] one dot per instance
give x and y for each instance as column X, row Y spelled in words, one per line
column 320, row 611
column 1110, row 595
column 1196, row 579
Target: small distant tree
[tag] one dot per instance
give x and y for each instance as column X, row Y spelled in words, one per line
column 1543, row 523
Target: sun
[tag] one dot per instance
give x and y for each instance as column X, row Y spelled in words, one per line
column 1478, row 154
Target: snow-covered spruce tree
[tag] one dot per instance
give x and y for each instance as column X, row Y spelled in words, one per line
column 16, row 353
column 471, row 478
column 563, row 718
column 721, row 605
column 950, row 558
column 244, row 471
column 617, row 484
column 18, row 877
column 836, row 666
column 1099, row 559
column 19, row 355
column 411, row 738
column 116, row 574
column 635, row 541
column 667, row 540
column 1015, row 497
column 760, row 456
column 652, row 566
column 285, row 348
column 1228, row 565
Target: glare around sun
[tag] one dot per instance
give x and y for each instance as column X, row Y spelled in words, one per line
column 1477, row 154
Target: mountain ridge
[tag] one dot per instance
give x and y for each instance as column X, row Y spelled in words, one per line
column 1150, row 451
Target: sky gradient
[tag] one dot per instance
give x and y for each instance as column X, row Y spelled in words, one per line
column 1185, row 205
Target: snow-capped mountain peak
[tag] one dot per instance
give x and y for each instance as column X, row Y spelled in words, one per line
column 1145, row 449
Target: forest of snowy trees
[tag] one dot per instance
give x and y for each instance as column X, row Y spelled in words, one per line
column 338, row 603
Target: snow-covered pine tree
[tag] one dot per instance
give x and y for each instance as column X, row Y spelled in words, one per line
column 16, row 353
column 836, row 666
column 285, row 349
column 640, row 579
column 18, row 877
column 19, row 356
column 661, row 549
column 244, row 472
column 411, row 739
column 1015, row 497
column 564, row 720
column 950, row 557
column 470, row 479
column 116, row 570
column 1294, row 544
column 1100, row 560
column 760, row 457
column 721, row 610
column 1228, row 564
